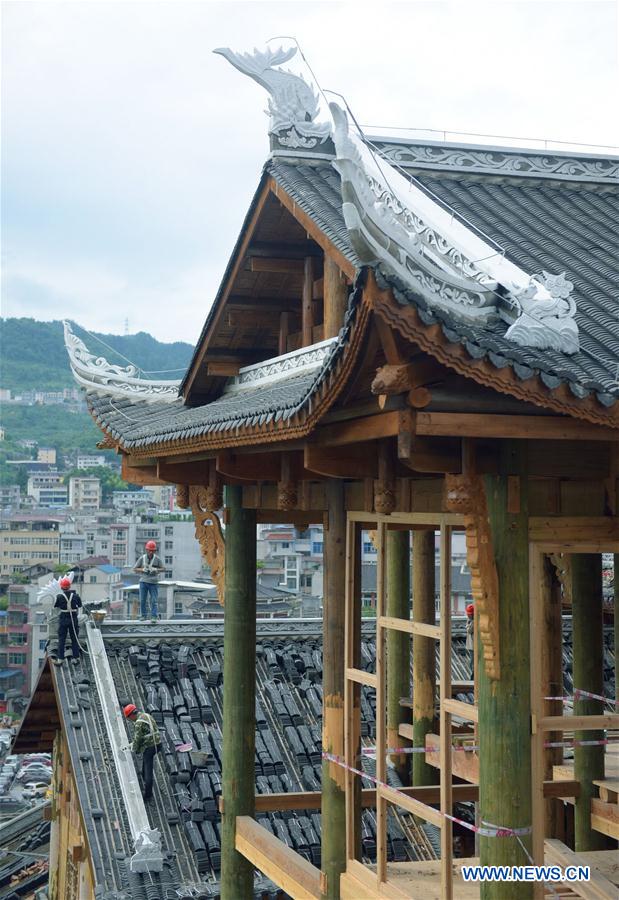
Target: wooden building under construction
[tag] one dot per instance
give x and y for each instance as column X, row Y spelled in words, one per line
column 411, row 339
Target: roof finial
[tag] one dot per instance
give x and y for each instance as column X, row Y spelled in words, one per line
column 293, row 106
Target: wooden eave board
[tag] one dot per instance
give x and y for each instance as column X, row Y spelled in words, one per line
column 42, row 717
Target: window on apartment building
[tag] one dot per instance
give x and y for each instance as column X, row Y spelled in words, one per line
column 92, row 579
column 291, row 583
column 368, row 547
column 118, row 549
column 178, row 607
column 169, row 531
column 285, row 545
column 42, row 644
column 17, row 659
column 17, row 637
column 168, row 573
column 169, row 560
column 317, row 547
column 169, row 545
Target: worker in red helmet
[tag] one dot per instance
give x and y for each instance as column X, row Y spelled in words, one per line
column 68, row 603
column 470, row 636
column 147, row 741
column 149, row 566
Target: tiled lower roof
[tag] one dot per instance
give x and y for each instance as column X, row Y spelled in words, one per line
column 556, row 227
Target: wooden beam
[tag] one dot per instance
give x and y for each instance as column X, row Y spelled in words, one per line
column 397, row 641
column 182, row 473
column 454, row 424
column 276, row 265
column 289, row 870
column 358, row 461
column 224, row 369
column 579, row 723
column 335, row 298
column 284, row 249
column 144, row 475
column 254, row 467
column 307, row 310
column 579, row 531
column 369, row 428
column 258, row 304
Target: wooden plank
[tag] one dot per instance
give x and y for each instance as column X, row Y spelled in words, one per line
column 223, row 368
column 578, row 723
column 429, row 793
column 421, row 628
column 381, row 708
column 609, row 788
column 290, row 871
column 605, row 818
column 597, row 888
column 464, row 764
column 359, row 676
column 458, row 708
column 427, row 813
column 509, row 426
column 605, row 861
column 143, row 475
column 185, row 473
column 335, row 292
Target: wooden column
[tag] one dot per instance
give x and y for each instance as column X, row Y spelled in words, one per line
column 239, row 715
column 335, row 298
column 307, row 313
column 504, row 703
column 424, row 653
column 588, row 675
column 333, row 807
column 398, row 646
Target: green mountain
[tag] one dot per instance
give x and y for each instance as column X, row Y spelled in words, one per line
column 33, row 354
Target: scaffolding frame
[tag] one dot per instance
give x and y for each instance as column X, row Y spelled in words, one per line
column 355, row 677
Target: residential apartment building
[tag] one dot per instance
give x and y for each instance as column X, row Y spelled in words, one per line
column 47, row 455
column 15, row 648
column 90, row 460
column 47, row 489
column 26, row 539
column 10, row 495
column 84, row 493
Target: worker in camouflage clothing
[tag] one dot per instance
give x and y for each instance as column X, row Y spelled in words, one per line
column 147, row 741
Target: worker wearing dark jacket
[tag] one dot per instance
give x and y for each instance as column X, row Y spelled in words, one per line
column 68, row 603
column 147, row 741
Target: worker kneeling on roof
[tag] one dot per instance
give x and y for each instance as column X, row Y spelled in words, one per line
column 147, row 741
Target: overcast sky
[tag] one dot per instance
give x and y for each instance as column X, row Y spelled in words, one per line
column 130, row 152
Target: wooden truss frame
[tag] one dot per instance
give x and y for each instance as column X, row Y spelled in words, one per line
column 355, row 677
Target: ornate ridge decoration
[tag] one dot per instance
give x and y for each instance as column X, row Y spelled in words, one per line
column 95, row 373
column 208, row 531
column 299, row 362
column 293, row 106
column 465, row 494
column 498, row 161
column 392, row 222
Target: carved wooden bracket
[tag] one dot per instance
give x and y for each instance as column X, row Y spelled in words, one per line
column 199, row 498
column 466, row 495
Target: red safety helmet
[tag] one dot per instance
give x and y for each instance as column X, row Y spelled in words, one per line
column 129, row 710
column 65, row 583
column 150, row 545
column 470, row 609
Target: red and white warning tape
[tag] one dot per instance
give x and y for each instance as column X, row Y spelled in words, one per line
column 578, row 694
column 486, row 830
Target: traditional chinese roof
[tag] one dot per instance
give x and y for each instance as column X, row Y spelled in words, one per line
column 501, row 263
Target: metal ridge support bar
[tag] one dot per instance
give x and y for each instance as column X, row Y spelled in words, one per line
column 146, row 840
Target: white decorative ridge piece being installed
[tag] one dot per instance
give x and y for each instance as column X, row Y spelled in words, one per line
column 393, row 222
column 293, row 106
column 95, row 373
